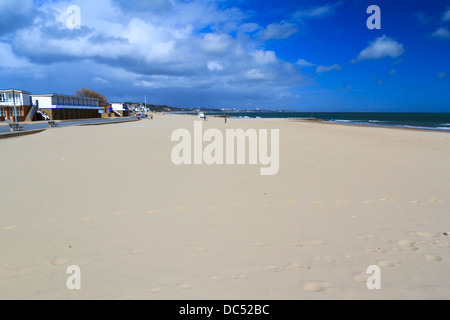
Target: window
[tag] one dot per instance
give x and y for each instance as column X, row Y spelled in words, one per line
column 2, row 112
column 14, row 113
column 2, row 97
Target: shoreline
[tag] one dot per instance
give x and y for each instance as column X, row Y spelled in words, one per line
column 326, row 122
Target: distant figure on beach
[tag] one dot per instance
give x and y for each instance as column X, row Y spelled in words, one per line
column 225, row 118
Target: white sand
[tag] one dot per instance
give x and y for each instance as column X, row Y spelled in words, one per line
column 109, row 200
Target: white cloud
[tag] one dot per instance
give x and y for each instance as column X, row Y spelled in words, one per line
column 216, row 43
column 255, row 74
column 249, row 27
column 446, row 16
column 381, row 48
column 100, row 80
column 193, row 46
column 264, row 57
column 335, row 67
column 304, row 63
column 279, row 31
column 317, row 12
column 15, row 14
column 422, row 18
column 441, row 33
column 10, row 60
column 214, row 66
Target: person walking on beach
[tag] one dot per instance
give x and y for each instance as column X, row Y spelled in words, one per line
column 225, row 116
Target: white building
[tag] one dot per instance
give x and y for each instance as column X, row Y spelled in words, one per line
column 18, row 98
column 119, row 106
column 120, row 109
column 64, row 107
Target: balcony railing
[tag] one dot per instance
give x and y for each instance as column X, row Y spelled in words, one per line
column 8, row 102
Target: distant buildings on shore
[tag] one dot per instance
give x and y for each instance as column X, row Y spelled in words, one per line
column 21, row 99
column 64, row 107
column 24, row 106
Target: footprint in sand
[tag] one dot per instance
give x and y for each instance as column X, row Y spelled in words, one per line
column 417, row 202
column 388, row 263
column 375, row 250
column 10, row 227
column 84, row 219
column 216, row 278
column 267, row 205
column 119, row 213
column 239, row 276
column 316, row 286
column 362, row 277
column 155, row 290
column 272, row 269
column 366, row 237
column 341, row 201
column 151, row 212
column 368, row 201
column 212, row 208
column 324, row 260
column 406, row 243
column 317, row 202
column 424, row 234
column 433, row 257
column 186, row 286
column 180, row 208
column 58, row 261
column 260, row 244
column 199, row 249
column 383, row 226
column 437, row 243
column 311, row 243
column 296, row 265
column 136, row 251
column 291, row 202
column 386, row 200
column 435, row 201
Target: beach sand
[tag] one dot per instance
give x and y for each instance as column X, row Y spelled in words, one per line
column 109, row 200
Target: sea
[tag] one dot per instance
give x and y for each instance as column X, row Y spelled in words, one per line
column 425, row 121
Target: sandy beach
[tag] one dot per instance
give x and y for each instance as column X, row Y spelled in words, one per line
column 110, row 200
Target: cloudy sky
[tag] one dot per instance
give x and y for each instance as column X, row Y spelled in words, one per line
column 291, row 55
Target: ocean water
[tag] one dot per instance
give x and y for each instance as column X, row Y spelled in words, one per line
column 427, row 121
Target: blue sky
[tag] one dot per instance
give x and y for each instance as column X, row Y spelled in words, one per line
column 290, row 55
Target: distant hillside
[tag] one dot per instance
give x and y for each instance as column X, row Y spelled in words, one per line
column 166, row 108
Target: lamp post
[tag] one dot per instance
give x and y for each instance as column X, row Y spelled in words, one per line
column 15, row 110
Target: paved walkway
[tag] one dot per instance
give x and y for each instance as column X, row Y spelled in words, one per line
column 42, row 125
